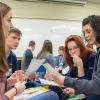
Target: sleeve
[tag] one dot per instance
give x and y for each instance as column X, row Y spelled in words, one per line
column 89, row 67
column 28, row 57
column 89, row 87
column 57, row 61
column 50, row 59
column 72, row 72
column 15, row 64
column 2, row 88
column 3, row 97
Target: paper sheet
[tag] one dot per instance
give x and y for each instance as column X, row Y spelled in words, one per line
column 34, row 65
column 51, row 69
column 46, row 82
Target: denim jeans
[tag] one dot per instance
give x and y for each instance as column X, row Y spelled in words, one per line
column 45, row 96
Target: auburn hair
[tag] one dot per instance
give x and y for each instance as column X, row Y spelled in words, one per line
column 85, row 51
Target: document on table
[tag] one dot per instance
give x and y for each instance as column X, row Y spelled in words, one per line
column 49, row 83
column 34, row 65
column 28, row 93
column 51, row 69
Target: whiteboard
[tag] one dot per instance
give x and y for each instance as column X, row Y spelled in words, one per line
column 40, row 29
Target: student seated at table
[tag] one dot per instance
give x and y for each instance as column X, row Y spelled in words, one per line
column 5, row 23
column 80, row 59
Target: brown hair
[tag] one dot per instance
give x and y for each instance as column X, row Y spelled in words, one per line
column 4, row 8
column 94, row 22
column 85, row 51
column 47, row 47
column 15, row 31
column 61, row 48
column 3, row 63
column 32, row 43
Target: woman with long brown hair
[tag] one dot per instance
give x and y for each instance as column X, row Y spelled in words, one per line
column 46, row 53
column 5, row 24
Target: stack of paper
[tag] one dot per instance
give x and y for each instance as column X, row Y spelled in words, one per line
column 28, row 93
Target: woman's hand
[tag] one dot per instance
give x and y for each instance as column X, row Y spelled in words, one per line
column 20, row 87
column 69, row 91
column 48, row 75
column 79, row 64
column 77, row 60
column 58, row 79
column 31, row 76
column 58, row 69
column 16, row 77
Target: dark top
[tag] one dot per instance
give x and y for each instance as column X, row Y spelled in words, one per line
column 12, row 62
column 49, row 59
column 28, row 56
column 2, row 87
column 88, row 68
column 60, row 61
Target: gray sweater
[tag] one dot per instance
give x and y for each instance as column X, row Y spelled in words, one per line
column 89, row 87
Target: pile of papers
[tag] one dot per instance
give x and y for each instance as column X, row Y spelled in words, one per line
column 31, row 92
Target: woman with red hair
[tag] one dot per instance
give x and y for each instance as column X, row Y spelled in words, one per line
column 79, row 58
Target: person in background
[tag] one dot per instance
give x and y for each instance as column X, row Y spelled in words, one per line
column 46, row 53
column 5, row 25
column 91, row 30
column 28, row 55
column 12, row 42
column 60, row 60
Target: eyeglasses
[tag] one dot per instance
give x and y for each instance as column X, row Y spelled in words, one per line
column 74, row 48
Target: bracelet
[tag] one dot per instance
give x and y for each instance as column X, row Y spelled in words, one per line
column 16, row 90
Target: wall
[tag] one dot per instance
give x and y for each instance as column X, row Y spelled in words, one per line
column 52, row 11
